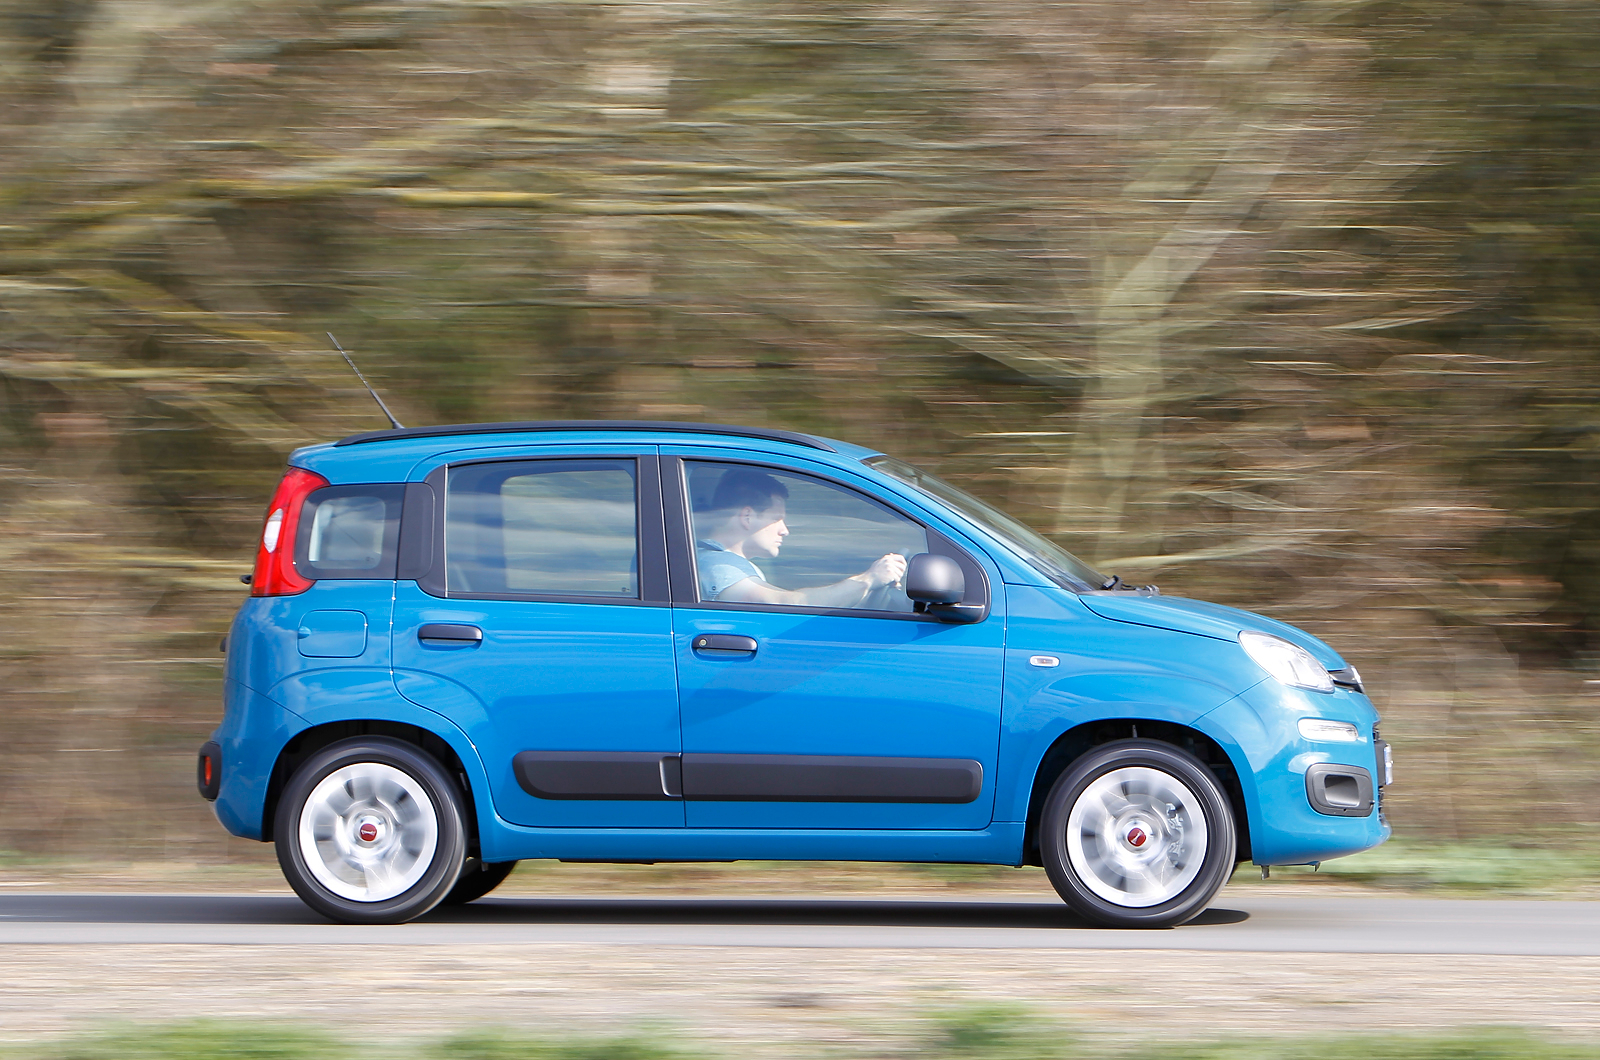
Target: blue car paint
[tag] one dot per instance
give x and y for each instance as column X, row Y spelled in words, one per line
column 1121, row 656
column 1106, row 670
column 251, row 724
column 999, row 844
column 842, row 684
column 604, row 682
column 1203, row 619
column 1258, row 730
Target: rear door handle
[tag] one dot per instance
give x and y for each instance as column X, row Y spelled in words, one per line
column 725, row 642
column 450, row 631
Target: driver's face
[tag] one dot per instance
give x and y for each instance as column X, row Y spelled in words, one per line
column 767, row 529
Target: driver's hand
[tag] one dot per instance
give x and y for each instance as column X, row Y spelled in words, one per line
column 887, row 570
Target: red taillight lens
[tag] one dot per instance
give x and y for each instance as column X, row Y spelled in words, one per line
column 275, row 574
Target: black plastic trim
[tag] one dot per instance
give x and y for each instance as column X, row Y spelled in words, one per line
column 604, row 775
column 208, row 791
column 1339, row 790
column 672, row 776
column 450, row 631
column 531, row 426
column 725, row 642
column 415, row 558
column 829, row 778
column 1347, row 678
column 431, row 580
column 680, row 543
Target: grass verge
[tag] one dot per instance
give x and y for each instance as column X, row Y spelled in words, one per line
column 974, row 1034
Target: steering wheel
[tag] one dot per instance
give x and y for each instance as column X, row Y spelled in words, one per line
column 891, row 597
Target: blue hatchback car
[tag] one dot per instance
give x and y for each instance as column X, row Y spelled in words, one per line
column 637, row 642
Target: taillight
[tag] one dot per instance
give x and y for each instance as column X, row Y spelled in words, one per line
column 275, row 574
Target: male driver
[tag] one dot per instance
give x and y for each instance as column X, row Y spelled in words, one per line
column 746, row 521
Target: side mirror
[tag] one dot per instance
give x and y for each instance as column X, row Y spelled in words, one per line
column 933, row 579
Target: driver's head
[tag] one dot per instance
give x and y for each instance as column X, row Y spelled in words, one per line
column 748, row 508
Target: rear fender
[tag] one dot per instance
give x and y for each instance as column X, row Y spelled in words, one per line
column 324, row 697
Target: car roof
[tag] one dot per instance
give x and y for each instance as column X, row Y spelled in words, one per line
column 646, row 426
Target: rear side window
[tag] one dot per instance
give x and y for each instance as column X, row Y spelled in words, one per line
column 349, row 532
column 542, row 528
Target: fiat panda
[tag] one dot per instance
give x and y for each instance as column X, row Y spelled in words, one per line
column 466, row 646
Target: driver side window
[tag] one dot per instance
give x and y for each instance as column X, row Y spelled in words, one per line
column 798, row 534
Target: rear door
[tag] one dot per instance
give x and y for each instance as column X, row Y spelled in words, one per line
column 536, row 617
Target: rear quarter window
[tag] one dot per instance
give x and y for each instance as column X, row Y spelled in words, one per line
column 350, row 532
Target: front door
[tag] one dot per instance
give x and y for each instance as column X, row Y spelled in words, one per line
column 811, row 695
column 541, row 628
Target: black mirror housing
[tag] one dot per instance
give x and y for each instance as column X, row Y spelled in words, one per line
column 933, row 579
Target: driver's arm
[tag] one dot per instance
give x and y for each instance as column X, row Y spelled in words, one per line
column 849, row 592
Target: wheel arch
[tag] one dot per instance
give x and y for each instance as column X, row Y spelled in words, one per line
column 1081, row 739
column 308, row 742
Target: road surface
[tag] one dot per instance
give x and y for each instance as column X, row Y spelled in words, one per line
column 1252, row 922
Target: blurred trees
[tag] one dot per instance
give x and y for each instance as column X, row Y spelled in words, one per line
column 1287, row 304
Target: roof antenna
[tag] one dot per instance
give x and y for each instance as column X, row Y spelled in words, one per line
column 363, row 379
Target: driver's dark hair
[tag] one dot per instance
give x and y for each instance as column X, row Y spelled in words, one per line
column 742, row 486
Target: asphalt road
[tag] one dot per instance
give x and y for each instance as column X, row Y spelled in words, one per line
column 1253, row 922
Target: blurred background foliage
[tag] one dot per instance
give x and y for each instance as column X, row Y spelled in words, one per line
column 1290, row 304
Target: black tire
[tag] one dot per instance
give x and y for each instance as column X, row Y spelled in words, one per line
column 1132, row 793
column 384, row 841
column 478, row 878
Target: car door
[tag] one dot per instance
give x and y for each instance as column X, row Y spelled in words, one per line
column 859, row 715
column 537, row 618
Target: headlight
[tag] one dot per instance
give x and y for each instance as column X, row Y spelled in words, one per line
column 1289, row 663
column 1323, row 729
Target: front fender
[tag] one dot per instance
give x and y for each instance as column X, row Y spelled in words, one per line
column 1103, row 670
column 1051, row 711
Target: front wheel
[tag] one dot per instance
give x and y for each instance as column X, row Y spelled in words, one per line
column 1137, row 834
column 370, row 831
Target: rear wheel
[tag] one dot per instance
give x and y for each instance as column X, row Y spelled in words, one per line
column 478, row 878
column 370, row 831
column 1137, row 834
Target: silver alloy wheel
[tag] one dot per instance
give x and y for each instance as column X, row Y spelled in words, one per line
column 1136, row 836
column 368, row 832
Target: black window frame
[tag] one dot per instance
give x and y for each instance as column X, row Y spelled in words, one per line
column 685, row 582
column 391, row 494
column 422, row 554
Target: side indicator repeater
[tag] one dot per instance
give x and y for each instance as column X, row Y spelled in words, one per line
column 1046, row 661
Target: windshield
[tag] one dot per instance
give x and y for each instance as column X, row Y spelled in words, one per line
column 1042, row 554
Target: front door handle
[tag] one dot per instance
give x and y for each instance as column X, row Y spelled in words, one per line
column 725, row 643
column 450, row 631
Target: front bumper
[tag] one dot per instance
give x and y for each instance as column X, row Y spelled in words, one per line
column 1279, row 771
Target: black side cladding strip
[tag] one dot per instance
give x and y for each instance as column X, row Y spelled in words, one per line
column 593, row 774
column 829, row 778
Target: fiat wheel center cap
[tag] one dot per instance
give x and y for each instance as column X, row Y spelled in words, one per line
column 368, row 831
column 1137, row 837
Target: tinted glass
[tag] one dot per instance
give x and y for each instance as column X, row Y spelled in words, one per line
column 833, row 534
column 544, row 527
column 349, row 532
